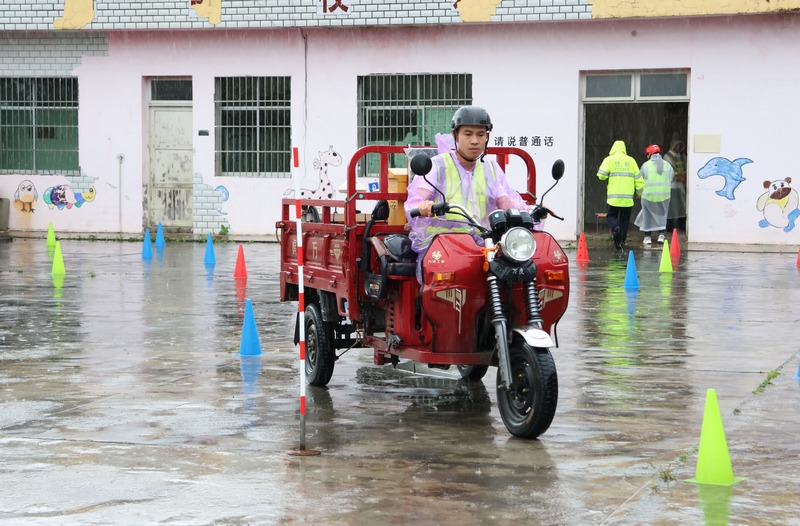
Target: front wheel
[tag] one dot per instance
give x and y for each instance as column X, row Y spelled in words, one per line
column 320, row 350
column 529, row 404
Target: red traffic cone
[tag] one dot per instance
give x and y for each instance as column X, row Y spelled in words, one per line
column 583, row 252
column 241, row 269
column 241, row 288
column 798, row 266
column 674, row 248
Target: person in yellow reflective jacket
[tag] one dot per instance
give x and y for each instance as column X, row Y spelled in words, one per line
column 624, row 182
column 658, row 176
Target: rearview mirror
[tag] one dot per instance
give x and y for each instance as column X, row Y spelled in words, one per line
column 421, row 164
column 558, row 169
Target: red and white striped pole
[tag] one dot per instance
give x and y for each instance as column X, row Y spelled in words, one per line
column 301, row 307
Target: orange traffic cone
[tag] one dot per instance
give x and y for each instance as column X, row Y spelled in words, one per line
column 583, row 252
column 241, row 269
column 675, row 249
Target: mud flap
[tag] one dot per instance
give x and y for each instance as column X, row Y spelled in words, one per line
column 297, row 329
column 536, row 338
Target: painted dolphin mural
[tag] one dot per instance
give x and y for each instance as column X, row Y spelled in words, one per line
column 731, row 171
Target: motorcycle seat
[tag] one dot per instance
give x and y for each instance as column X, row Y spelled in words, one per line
column 399, row 247
column 395, row 256
column 402, row 259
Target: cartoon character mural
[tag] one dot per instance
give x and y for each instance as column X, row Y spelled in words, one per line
column 26, row 194
column 731, row 171
column 77, row 14
column 222, row 196
column 208, row 211
column 324, row 190
column 61, row 196
column 210, row 9
column 84, row 197
column 779, row 204
column 476, row 10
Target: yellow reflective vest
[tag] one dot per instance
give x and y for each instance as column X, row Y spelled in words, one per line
column 657, row 175
column 454, row 194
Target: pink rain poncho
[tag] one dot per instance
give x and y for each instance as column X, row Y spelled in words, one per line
column 498, row 195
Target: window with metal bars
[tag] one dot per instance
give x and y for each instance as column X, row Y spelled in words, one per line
column 39, row 125
column 253, row 126
column 407, row 109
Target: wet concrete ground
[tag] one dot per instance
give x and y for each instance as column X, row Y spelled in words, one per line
column 123, row 400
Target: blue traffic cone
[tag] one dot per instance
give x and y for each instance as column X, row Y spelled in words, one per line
column 209, row 258
column 251, row 368
column 631, row 295
column 147, row 249
column 797, row 376
column 250, row 344
column 631, row 279
column 160, row 241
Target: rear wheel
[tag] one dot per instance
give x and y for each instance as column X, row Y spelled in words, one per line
column 529, row 405
column 473, row 373
column 320, row 350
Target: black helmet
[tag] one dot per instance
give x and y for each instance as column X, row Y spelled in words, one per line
column 471, row 116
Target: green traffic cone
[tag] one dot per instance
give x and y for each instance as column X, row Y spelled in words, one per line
column 58, row 262
column 51, row 236
column 666, row 259
column 713, row 460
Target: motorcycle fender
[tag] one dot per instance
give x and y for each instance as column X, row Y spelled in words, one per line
column 536, row 338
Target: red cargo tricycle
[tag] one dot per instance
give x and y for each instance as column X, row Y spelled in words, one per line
column 478, row 306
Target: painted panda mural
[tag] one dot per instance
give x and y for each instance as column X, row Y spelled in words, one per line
column 779, row 205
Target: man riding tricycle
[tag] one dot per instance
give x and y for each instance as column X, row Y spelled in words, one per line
column 471, row 281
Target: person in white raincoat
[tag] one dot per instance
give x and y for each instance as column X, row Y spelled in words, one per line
column 658, row 176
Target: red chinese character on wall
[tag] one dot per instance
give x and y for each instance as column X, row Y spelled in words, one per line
column 337, row 4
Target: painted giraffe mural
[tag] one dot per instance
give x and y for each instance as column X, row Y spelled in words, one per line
column 325, row 189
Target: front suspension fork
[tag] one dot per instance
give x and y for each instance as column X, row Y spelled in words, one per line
column 532, row 305
column 499, row 322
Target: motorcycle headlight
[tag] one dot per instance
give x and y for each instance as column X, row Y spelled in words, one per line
column 518, row 244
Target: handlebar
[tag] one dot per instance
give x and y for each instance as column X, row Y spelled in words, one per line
column 439, row 209
column 538, row 213
column 541, row 212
